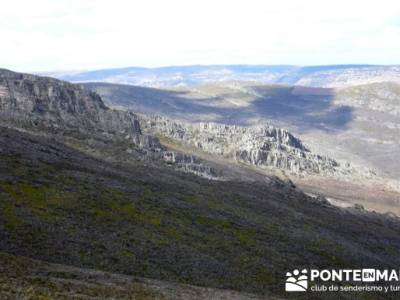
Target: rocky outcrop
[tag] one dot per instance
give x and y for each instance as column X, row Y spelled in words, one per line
column 56, row 107
column 44, row 103
column 261, row 146
column 191, row 164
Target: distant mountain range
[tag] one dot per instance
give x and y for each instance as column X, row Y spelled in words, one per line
column 313, row 76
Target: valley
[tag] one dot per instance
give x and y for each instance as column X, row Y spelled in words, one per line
column 199, row 150
column 182, row 207
column 344, row 125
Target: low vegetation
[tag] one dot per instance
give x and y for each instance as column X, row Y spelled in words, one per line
column 136, row 218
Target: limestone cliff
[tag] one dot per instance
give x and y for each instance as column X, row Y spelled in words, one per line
column 45, row 103
column 262, row 146
column 52, row 106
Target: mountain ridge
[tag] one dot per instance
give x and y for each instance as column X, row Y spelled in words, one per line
column 172, row 76
column 347, row 121
column 261, row 146
column 57, row 106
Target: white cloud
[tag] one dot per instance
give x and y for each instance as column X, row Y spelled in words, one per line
column 86, row 34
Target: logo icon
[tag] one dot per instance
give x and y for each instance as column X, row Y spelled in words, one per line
column 296, row 282
column 368, row 275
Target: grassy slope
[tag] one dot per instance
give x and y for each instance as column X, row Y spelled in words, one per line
column 22, row 278
column 61, row 205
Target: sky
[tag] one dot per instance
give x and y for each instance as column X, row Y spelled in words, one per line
column 50, row 35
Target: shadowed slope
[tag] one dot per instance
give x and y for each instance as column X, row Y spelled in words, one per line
column 63, row 206
column 235, row 103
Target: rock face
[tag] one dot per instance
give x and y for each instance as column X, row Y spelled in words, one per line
column 52, row 106
column 191, row 164
column 45, row 103
column 57, row 107
column 261, row 146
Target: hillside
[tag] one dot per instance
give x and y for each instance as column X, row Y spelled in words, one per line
column 63, row 206
column 96, row 198
column 33, row 279
column 359, row 124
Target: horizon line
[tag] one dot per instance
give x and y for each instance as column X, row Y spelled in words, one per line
column 210, row 65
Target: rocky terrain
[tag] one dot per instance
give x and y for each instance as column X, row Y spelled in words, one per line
column 358, row 124
column 44, row 103
column 262, row 146
column 59, row 108
column 86, row 186
column 82, row 207
column 41, row 103
column 312, row 76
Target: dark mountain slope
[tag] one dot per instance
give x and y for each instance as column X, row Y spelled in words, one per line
column 61, row 205
column 66, row 282
column 237, row 103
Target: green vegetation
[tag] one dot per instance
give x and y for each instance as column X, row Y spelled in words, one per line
column 34, row 280
column 141, row 219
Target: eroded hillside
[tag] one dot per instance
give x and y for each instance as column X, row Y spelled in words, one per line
column 98, row 198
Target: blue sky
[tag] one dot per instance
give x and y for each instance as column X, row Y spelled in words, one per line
column 46, row 35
